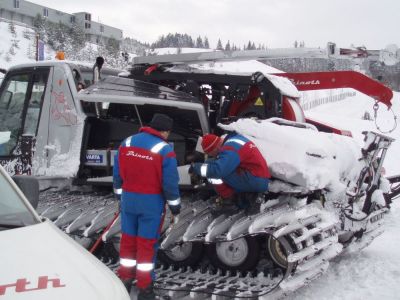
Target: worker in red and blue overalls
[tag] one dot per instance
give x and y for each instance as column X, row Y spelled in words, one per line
column 146, row 175
column 239, row 167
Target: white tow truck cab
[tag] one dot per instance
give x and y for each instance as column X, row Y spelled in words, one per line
column 38, row 260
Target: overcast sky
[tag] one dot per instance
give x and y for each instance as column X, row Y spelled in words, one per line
column 275, row 23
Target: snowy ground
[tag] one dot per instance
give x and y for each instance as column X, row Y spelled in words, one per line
column 371, row 274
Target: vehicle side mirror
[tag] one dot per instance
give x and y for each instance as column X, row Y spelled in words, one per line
column 29, row 185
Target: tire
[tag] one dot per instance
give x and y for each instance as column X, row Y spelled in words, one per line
column 278, row 250
column 242, row 254
column 189, row 254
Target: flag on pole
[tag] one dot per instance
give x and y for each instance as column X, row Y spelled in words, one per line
column 40, row 50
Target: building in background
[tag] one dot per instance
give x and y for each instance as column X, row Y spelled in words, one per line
column 25, row 12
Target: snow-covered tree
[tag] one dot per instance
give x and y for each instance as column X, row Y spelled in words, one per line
column 31, row 50
column 11, row 51
column 27, row 34
column 11, row 27
column 15, row 43
column 112, row 45
column 78, row 36
column 39, row 23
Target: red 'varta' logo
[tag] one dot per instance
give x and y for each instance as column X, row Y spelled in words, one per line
column 22, row 285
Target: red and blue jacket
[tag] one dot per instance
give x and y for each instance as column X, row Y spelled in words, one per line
column 146, row 167
column 238, row 156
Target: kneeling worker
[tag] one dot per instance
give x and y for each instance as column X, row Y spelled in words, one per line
column 239, row 166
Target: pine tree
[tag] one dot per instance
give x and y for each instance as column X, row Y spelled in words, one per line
column 219, row 45
column 174, row 40
column 228, row 46
column 199, row 42
column 206, row 43
column 295, row 44
column 249, row 46
column 191, row 42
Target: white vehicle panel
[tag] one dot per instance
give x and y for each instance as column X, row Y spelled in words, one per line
column 40, row 262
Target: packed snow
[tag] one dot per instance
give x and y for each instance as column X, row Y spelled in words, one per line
column 302, row 156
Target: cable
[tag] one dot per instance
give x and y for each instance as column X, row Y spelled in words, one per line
column 376, row 108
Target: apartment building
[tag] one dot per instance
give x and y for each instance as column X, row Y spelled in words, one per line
column 25, row 12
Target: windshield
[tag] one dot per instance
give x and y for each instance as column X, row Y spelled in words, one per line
column 11, row 108
column 13, row 211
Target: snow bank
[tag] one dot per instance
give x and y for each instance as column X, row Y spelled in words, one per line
column 304, row 157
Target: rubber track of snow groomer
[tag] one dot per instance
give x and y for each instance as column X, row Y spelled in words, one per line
column 83, row 216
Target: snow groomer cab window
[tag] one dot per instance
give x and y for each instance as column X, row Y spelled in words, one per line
column 21, row 98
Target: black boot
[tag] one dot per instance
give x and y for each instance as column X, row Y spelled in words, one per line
column 147, row 293
column 128, row 284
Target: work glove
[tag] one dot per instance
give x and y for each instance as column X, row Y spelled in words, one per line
column 175, row 209
column 175, row 219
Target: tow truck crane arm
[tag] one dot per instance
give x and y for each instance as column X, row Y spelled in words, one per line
column 341, row 79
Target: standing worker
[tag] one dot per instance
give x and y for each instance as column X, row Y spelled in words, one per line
column 97, row 68
column 239, row 166
column 146, row 174
column 96, row 78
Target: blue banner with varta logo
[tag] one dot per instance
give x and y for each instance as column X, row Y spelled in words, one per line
column 94, row 158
